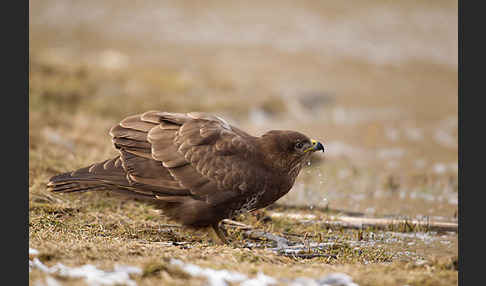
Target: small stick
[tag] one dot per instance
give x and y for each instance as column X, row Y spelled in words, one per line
column 378, row 223
column 238, row 224
column 383, row 223
column 169, row 225
column 282, row 242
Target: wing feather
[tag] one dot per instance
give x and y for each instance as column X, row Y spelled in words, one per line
column 134, row 122
column 196, row 154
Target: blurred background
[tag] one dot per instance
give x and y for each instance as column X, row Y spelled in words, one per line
column 375, row 81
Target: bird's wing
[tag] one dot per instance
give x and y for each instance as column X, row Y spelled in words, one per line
column 195, row 154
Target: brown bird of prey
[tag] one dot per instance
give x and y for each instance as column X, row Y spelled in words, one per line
column 195, row 167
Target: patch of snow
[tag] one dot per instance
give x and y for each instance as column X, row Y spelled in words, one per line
column 215, row 277
column 223, row 277
column 303, row 282
column 120, row 275
column 259, row 280
column 33, row 251
column 92, row 275
column 36, row 263
column 337, row 279
column 50, row 281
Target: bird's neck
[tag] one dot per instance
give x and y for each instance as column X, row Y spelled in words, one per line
column 278, row 160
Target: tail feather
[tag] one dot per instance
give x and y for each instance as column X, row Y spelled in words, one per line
column 80, row 186
column 111, row 176
column 93, row 177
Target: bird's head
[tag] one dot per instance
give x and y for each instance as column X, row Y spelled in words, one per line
column 288, row 149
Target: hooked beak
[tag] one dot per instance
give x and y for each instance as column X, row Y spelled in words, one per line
column 316, row 146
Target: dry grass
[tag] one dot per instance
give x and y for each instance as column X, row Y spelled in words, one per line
column 98, row 229
column 390, row 131
column 68, row 129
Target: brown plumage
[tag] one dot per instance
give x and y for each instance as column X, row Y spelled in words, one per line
column 195, row 167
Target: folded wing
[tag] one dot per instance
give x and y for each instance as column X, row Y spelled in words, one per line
column 197, row 155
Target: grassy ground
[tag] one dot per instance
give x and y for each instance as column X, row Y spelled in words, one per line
column 387, row 116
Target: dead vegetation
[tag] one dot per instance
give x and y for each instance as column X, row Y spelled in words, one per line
column 68, row 129
column 380, row 206
column 105, row 231
column 99, row 229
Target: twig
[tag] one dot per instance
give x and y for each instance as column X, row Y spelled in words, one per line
column 282, row 243
column 378, row 223
column 326, row 209
column 169, row 225
column 238, row 224
column 384, row 223
column 309, row 255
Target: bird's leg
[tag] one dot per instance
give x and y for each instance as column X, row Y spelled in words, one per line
column 217, row 235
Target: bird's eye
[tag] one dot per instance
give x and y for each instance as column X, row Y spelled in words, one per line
column 299, row 145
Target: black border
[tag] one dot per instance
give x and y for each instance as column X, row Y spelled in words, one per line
column 460, row 145
column 15, row 142
column 471, row 110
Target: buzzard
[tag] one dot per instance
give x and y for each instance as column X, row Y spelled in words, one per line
column 195, row 167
